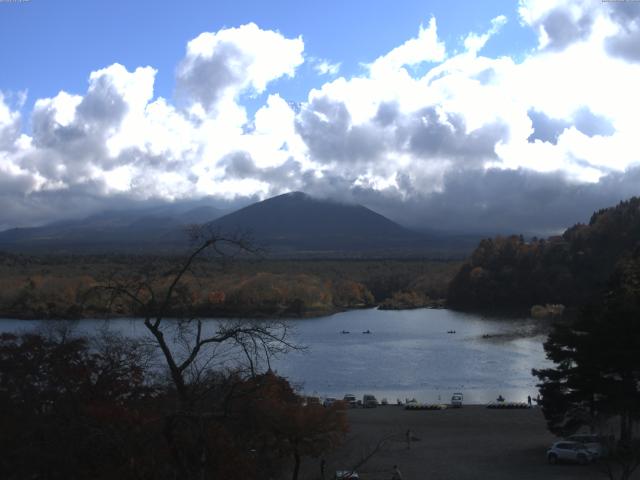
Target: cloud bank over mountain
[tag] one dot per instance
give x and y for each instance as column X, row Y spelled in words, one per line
column 430, row 134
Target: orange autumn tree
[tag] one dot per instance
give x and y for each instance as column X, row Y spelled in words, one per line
column 284, row 424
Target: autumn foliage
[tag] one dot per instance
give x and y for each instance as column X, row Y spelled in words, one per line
column 65, row 287
column 74, row 408
column 514, row 272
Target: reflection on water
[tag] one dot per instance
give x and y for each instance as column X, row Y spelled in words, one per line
column 407, row 354
column 410, row 354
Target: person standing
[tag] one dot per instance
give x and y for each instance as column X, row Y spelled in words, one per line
column 529, row 399
column 408, row 435
column 396, row 473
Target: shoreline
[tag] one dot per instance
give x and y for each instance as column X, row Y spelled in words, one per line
column 500, row 314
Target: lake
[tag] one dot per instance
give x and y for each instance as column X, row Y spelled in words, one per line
column 408, row 353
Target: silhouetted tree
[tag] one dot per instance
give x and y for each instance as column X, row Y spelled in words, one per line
column 597, row 372
column 188, row 429
column 71, row 408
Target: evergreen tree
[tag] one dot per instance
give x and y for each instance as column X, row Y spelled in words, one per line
column 596, row 378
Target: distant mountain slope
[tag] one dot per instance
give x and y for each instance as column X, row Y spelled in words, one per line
column 296, row 221
column 508, row 272
column 133, row 230
column 290, row 225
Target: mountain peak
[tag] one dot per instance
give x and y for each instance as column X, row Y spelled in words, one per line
column 293, row 196
column 297, row 221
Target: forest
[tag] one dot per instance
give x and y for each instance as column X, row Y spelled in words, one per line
column 65, row 286
column 516, row 273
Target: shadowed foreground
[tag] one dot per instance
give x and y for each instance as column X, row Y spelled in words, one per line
column 468, row 443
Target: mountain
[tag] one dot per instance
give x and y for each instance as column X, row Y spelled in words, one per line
column 157, row 228
column 291, row 225
column 571, row 269
column 297, row 222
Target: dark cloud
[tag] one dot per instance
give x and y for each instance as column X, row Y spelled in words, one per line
column 9, row 133
column 46, row 206
column 521, row 201
column 48, row 133
column 485, row 202
column 626, row 43
column 240, row 165
column 68, row 152
column 563, row 30
column 63, row 152
column 471, row 200
column 387, row 114
column 325, row 126
column 102, row 106
column 204, row 79
column 80, row 201
column 426, row 135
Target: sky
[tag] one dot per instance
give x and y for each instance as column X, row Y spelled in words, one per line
column 497, row 116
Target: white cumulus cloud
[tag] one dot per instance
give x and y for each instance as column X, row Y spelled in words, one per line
column 425, row 125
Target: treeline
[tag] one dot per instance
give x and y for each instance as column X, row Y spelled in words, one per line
column 72, row 287
column 511, row 272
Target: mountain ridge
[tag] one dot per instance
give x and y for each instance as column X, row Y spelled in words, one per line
column 288, row 225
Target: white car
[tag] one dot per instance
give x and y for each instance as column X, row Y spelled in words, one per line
column 369, row 401
column 346, row 474
column 566, row 451
column 350, row 400
column 329, row 401
column 594, row 443
column 456, row 400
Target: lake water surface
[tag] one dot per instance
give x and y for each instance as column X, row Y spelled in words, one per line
column 407, row 354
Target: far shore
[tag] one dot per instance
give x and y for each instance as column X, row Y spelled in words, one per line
column 285, row 314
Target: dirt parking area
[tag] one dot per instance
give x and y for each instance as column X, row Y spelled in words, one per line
column 468, row 443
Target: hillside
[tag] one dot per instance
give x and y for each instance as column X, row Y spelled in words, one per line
column 296, row 221
column 509, row 272
column 110, row 231
column 292, row 225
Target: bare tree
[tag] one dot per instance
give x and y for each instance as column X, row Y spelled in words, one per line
column 190, row 346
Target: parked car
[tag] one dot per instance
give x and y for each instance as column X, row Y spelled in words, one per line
column 350, row 400
column 594, row 443
column 328, row 401
column 566, row 451
column 346, row 474
column 313, row 401
column 456, row 400
column 369, row 401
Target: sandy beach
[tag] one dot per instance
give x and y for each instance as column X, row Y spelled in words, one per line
column 468, row 443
